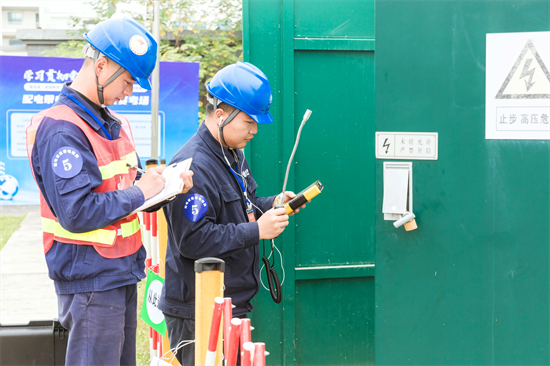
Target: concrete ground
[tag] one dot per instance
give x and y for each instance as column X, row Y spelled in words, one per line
column 26, row 291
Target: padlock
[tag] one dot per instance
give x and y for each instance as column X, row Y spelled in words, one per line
column 411, row 225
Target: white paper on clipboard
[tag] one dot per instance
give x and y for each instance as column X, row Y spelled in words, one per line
column 174, row 184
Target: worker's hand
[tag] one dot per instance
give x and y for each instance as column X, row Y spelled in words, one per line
column 272, row 223
column 152, row 182
column 288, row 196
column 187, row 181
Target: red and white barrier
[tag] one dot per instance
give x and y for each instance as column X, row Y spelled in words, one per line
column 154, row 239
column 227, row 316
column 248, row 353
column 214, row 332
column 147, row 244
column 233, row 343
column 259, row 354
column 150, row 242
column 235, row 330
column 147, row 237
column 245, row 333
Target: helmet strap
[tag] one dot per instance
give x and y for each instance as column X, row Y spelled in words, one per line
column 227, row 120
column 109, row 81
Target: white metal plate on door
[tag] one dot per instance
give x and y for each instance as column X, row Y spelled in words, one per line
column 397, row 189
column 407, row 145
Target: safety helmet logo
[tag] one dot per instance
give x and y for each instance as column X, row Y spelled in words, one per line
column 138, row 45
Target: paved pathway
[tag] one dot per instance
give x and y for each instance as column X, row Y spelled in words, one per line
column 26, row 291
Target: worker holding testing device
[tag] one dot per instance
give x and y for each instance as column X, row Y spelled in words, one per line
column 79, row 151
column 221, row 216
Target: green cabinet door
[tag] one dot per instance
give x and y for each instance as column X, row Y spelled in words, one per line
column 318, row 55
column 471, row 285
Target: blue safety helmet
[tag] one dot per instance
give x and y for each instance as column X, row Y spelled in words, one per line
column 244, row 87
column 129, row 44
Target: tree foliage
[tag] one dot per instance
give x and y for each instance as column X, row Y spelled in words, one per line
column 205, row 31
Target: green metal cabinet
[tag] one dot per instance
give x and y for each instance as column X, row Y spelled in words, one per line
column 471, row 285
column 318, row 55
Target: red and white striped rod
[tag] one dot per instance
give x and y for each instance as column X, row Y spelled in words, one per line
column 259, row 354
column 248, row 354
column 214, row 332
column 245, row 333
column 227, row 316
column 147, row 244
column 154, row 239
column 147, row 237
column 233, row 347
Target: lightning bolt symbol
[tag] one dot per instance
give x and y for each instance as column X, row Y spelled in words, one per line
column 387, row 146
column 526, row 72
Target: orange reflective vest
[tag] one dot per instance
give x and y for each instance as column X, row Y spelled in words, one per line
column 120, row 239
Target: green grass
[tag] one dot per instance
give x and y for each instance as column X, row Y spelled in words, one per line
column 8, row 225
column 142, row 335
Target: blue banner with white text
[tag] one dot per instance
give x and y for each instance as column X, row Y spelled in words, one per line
column 31, row 84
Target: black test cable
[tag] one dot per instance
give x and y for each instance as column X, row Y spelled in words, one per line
column 272, row 276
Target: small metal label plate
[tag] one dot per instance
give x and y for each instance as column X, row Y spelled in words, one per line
column 407, row 145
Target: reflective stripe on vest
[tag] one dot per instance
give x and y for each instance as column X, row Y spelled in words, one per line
column 101, row 236
column 129, row 228
column 118, row 166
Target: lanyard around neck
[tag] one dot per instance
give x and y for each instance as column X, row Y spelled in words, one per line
column 89, row 113
column 240, row 181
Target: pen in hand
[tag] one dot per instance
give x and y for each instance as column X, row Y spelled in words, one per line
column 135, row 168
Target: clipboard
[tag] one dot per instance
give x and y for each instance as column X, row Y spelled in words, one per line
column 174, row 184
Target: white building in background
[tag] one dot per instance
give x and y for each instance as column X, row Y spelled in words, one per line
column 29, row 27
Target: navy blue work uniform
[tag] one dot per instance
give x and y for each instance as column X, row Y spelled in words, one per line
column 97, row 297
column 210, row 221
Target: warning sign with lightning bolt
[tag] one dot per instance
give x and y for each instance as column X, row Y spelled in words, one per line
column 517, row 86
column 529, row 78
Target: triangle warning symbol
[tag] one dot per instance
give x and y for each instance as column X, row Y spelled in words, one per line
column 529, row 77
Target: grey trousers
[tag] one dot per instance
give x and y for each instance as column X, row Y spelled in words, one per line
column 102, row 326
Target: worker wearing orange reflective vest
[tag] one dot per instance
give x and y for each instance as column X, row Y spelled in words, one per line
column 78, row 151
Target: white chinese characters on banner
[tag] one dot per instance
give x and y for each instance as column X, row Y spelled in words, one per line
column 40, row 98
column 134, row 100
column 49, row 80
column 51, row 75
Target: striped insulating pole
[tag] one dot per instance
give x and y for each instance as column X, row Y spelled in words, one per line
column 245, row 333
column 233, row 348
column 259, row 354
column 153, row 163
column 157, row 339
column 154, row 242
column 227, row 316
column 150, row 223
column 248, row 354
column 163, row 242
column 147, row 245
column 147, row 238
column 214, row 332
column 155, row 343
